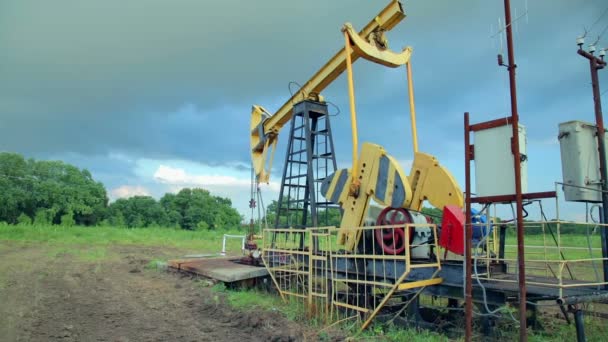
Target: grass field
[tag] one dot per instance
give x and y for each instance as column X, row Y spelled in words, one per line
column 90, row 243
column 207, row 241
column 96, row 245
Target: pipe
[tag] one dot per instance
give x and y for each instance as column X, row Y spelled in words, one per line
column 580, row 325
column 242, row 237
column 410, row 93
column 501, row 250
column 573, row 300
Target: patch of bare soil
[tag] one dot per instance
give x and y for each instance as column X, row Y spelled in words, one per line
column 62, row 298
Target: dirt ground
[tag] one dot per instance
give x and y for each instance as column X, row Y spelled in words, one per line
column 46, row 295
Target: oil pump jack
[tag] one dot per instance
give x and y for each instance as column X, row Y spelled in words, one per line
column 310, row 163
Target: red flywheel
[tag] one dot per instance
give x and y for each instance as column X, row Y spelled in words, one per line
column 392, row 239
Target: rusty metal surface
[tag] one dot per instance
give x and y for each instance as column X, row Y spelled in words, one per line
column 521, row 262
column 491, row 124
column 511, row 198
column 222, row 269
column 468, row 296
column 596, row 64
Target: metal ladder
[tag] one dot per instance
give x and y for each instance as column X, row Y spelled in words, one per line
column 309, row 160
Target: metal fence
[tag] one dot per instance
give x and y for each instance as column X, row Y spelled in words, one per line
column 332, row 285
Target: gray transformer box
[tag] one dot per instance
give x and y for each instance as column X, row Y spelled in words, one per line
column 494, row 169
column 580, row 161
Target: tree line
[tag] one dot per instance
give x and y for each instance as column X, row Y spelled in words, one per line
column 54, row 192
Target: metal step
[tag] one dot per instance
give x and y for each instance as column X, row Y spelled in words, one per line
column 295, row 185
column 296, row 176
column 297, row 152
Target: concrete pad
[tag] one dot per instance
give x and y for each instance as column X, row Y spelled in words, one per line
column 222, row 269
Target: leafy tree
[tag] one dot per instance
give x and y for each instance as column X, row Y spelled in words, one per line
column 15, row 195
column 47, row 190
column 331, row 217
column 68, row 219
column 136, row 212
column 202, row 225
column 44, row 216
column 434, row 213
column 53, row 192
column 197, row 209
column 24, row 219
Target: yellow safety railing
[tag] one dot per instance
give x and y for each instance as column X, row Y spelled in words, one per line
column 309, row 269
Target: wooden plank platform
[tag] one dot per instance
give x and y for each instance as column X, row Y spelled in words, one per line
column 223, row 269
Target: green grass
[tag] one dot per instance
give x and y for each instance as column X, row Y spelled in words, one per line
column 195, row 241
column 89, row 244
column 81, row 253
column 573, row 247
column 252, row 299
column 154, row 264
column 94, row 244
column 578, row 241
column 393, row 333
column 255, row 300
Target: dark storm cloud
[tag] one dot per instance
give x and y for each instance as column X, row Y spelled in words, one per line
column 176, row 79
column 99, row 76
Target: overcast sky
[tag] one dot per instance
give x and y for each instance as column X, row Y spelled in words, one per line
column 155, row 95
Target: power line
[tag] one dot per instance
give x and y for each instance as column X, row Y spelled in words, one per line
column 601, row 34
column 595, row 22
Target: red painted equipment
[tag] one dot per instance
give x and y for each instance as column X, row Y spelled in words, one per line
column 452, row 229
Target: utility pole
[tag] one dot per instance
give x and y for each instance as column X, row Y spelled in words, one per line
column 596, row 64
column 523, row 333
column 517, row 197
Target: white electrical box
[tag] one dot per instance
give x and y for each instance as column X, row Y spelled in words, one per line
column 580, row 161
column 494, row 169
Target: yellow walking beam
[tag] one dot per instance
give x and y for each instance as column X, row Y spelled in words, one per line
column 386, row 20
column 265, row 127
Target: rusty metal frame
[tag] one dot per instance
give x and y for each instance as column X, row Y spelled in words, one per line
column 518, row 198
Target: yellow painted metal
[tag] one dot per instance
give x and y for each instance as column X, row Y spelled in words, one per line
column 354, row 188
column 419, row 283
column 333, row 184
column 410, row 93
column 352, row 307
column 432, row 182
column 355, row 207
column 265, row 128
column 258, row 156
column 428, row 180
column 401, row 279
column 319, row 293
column 376, row 49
